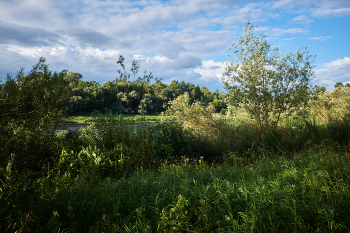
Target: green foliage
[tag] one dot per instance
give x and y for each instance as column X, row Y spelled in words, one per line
column 93, row 164
column 306, row 193
column 206, row 172
column 338, row 84
column 106, row 131
column 30, row 108
column 339, row 129
column 270, row 83
column 175, row 218
column 32, row 148
column 35, row 99
column 130, row 93
column 330, row 105
column 213, row 134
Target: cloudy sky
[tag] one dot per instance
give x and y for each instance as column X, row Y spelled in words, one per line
column 176, row 39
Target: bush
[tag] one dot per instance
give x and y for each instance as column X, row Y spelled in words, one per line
column 106, row 131
column 32, row 148
column 339, row 129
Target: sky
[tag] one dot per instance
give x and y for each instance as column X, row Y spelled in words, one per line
column 175, row 40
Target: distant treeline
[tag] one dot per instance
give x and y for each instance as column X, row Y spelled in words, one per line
column 127, row 97
column 124, row 96
column 133, row 94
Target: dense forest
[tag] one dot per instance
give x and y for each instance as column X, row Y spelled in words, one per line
column 125, row 97
column 128, row 92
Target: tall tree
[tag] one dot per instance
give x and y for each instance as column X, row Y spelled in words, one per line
column 30, row 105
column 267, row 79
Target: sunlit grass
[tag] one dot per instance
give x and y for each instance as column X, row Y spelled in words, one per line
column 308, row 192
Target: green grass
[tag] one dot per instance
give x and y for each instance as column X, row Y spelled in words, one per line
column 87, row 118
column 306, row 192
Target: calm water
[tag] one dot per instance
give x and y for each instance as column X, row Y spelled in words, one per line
column 79, row 126
column 60, row 128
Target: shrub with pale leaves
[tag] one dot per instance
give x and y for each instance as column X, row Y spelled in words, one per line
column 331, row 105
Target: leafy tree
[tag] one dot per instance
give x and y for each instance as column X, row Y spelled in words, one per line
column 338, row 84
column 331, row 105
column 267, row 79
column 139, row 97
column 206, row 96
column 37, row 98
column 30, row 107
column 318, row 89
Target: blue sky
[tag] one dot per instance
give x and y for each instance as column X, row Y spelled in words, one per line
column 175, row 40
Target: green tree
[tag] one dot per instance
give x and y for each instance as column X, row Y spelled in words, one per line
column 266, row 79
column 318, row 89
column 30, row 107
column 38, row 98
column 338, row 84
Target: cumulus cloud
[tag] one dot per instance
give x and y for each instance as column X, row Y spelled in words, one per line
column 181, row 63
column 283, row 3
column 333, row 72
column 211, row 70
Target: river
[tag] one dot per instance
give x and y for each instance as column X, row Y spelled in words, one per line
column 80, row 126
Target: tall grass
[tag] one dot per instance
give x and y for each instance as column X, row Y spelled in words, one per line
column 213, row 176
column 308, row 192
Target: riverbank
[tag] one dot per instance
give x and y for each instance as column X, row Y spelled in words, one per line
column 86, row 118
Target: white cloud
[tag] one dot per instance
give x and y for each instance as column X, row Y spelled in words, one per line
column 333, row 72
column 210, row 70
column 321, row 38
column 95, row 52
column 38, row 51
column 305, row 5
column 283, row 3
column 301, row 19
column 328, row 12
column 288, row 39
column 278, row 32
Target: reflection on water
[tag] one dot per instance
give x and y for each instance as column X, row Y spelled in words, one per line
column 60, row 128
column 80, row 126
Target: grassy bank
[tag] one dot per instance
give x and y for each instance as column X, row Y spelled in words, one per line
column 87, row 118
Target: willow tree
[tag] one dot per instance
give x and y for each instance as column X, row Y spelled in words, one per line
column 267, row 81
column 30, row 105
